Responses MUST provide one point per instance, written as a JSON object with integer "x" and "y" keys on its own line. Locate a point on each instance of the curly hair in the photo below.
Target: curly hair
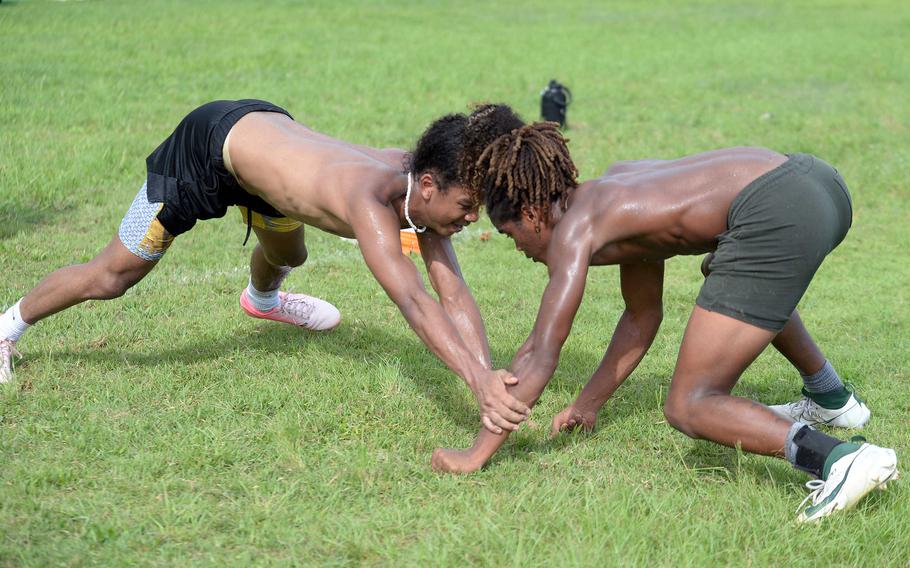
{"x": 528, "y": 167}
{"x": 450, "y": 146}
{"x": 439, "y": 150}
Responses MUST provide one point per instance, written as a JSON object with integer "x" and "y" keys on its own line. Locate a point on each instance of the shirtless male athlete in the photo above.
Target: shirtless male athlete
{"x": 768, "y": 218}
{"x": 282, "y": 176}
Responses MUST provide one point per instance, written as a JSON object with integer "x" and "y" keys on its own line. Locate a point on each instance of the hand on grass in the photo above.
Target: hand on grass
{"x": 572, "y": 418}
{"x": 499, "y": 410}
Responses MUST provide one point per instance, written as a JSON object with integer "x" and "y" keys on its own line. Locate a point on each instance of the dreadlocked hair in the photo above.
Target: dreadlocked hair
{"x": 528, "y": 167}
{"x": 484, "y": 125}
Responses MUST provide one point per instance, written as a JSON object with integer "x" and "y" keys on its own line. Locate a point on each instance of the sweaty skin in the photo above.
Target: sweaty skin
{"x": 349, "y": 190}
{"x": 356, "y": 191}
{"x": 637, "y": 215}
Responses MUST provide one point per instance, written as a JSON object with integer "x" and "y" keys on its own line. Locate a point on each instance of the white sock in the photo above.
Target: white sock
{"x": 12, "y": 325}
{"x": 262, "y": 301}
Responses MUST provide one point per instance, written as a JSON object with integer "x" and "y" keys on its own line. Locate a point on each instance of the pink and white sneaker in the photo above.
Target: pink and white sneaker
{"x": 297, "y": 309}
{"x": 7, "y": 350}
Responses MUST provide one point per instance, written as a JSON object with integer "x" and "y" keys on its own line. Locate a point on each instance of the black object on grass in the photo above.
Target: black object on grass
{"x": 554, "y": 100}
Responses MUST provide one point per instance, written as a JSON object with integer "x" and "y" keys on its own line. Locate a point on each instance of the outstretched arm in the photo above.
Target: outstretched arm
{"x": 377, "y": 232}
{"x": 454, "y": 294}
{"x": 536, "y": 360}
{"x": 642, "y": 290}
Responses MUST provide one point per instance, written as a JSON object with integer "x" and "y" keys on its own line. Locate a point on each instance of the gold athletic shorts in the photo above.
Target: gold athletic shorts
{"x": 274, "y": 224}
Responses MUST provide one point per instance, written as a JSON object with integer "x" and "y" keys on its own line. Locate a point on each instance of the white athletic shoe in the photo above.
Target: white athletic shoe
{"x": 7, "y": 350}
{"x": 853, "y": 414}
{"x": 297, "y": 309}
{"x": 851, "y": 478}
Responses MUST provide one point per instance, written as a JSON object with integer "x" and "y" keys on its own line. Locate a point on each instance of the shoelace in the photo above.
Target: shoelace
{"x": 815, "y": 486}
{"x": 299, "y": 307}
{"x": 7, "y": 350}
{"x": 799, "y": 408}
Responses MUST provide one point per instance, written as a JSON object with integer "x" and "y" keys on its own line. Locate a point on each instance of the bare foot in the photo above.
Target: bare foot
{"x": 446, "y": 460}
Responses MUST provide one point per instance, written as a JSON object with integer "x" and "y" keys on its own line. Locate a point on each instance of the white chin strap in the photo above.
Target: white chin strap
{"x": 407, "y": 215}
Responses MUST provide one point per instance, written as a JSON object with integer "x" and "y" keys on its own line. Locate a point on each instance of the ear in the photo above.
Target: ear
{"x": 529, "y": 215}
{"x": 426, "y": 183}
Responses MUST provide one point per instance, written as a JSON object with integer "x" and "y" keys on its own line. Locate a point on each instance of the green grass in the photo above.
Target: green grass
{"x": 167, "y": 429}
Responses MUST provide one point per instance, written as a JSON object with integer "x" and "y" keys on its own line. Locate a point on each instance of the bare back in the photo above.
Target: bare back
{"x": 654, "y": 209}
{"x": 309, "y": 176}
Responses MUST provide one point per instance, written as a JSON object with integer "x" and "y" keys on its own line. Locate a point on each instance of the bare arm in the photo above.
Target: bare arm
{"x": 377, "y": 232}
{"x": 642, "y": 291}
{"x": 536, "y": 360}
{"x": 454, "y": 295}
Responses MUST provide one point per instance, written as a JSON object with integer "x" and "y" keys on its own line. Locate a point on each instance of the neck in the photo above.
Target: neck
{"x": 566, "y": 201}
{"x": 408, "y": 197}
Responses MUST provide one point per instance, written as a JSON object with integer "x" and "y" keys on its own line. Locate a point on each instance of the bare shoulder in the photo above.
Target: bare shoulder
{"x": 626, "y": 166}
{"x": 368, "y": 180}
{"x": 613, "y": 208}
{"x": 590, "y": 205}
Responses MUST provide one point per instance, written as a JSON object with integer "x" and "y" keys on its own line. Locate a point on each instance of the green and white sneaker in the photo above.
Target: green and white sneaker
{"x": 853, "y": 414}
{"x": 856, "y": 470}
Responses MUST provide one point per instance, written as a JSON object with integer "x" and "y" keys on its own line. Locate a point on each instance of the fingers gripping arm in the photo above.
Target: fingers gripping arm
{"x": 536, "y": 360}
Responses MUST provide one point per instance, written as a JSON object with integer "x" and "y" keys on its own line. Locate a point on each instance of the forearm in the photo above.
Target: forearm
{"x": 438, "y": 332}
{"x": 534, "y": 374}
{"x": 465, "y": 316}
{"x": 630, "y": 342}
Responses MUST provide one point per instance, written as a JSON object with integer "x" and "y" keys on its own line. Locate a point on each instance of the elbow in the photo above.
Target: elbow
{"x": 452, "y": 303}
{"x": 648, "y": 320}
{"x": 408, "y": 305}
{"x": 544, "y": 361}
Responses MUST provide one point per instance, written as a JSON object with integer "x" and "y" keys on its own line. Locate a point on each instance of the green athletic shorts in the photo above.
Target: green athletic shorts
{"x": 779, "y": 229}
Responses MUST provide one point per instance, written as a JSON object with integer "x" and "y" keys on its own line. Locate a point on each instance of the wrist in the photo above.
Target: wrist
{"x": 587, "y": 404}
{"x": 474, "y": 379}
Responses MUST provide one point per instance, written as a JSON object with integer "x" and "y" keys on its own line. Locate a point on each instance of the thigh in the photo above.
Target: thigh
{"x": 715, "y": 350}
{"x": 140, "y": 232}
{"x": 117, "y": 259}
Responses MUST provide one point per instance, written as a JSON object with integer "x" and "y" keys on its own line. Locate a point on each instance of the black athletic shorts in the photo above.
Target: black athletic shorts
{"x": 186, "y": 172}
{"x": 779, "y": 229}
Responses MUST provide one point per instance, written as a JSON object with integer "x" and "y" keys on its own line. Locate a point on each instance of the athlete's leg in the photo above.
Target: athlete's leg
{"x": 273, "y": 258}
{"x": 106, "y": 276}
{"x": 826, "y": 400}
{"x": 114, "y": 271}
{"x": 795, "y": 343}
{"x": 140, "y": 243}
{"x": 275, "y": 255}
{"x": 715, "y": 350}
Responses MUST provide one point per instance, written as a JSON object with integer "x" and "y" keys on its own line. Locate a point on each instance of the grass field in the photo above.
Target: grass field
{"x": 165, "y": 428}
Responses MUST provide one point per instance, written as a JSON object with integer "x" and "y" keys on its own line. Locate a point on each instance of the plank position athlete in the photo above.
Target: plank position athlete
{"x": 282, "y": 176}
{"x": 768, "y": 219}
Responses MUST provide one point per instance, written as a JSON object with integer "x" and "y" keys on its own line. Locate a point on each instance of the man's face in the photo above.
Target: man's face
{"x": 450, "y": 211}
{"x": 527, "y": 240}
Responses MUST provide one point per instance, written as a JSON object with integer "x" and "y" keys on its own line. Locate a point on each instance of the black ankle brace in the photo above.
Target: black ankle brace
{"x": 812, "y": 449}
